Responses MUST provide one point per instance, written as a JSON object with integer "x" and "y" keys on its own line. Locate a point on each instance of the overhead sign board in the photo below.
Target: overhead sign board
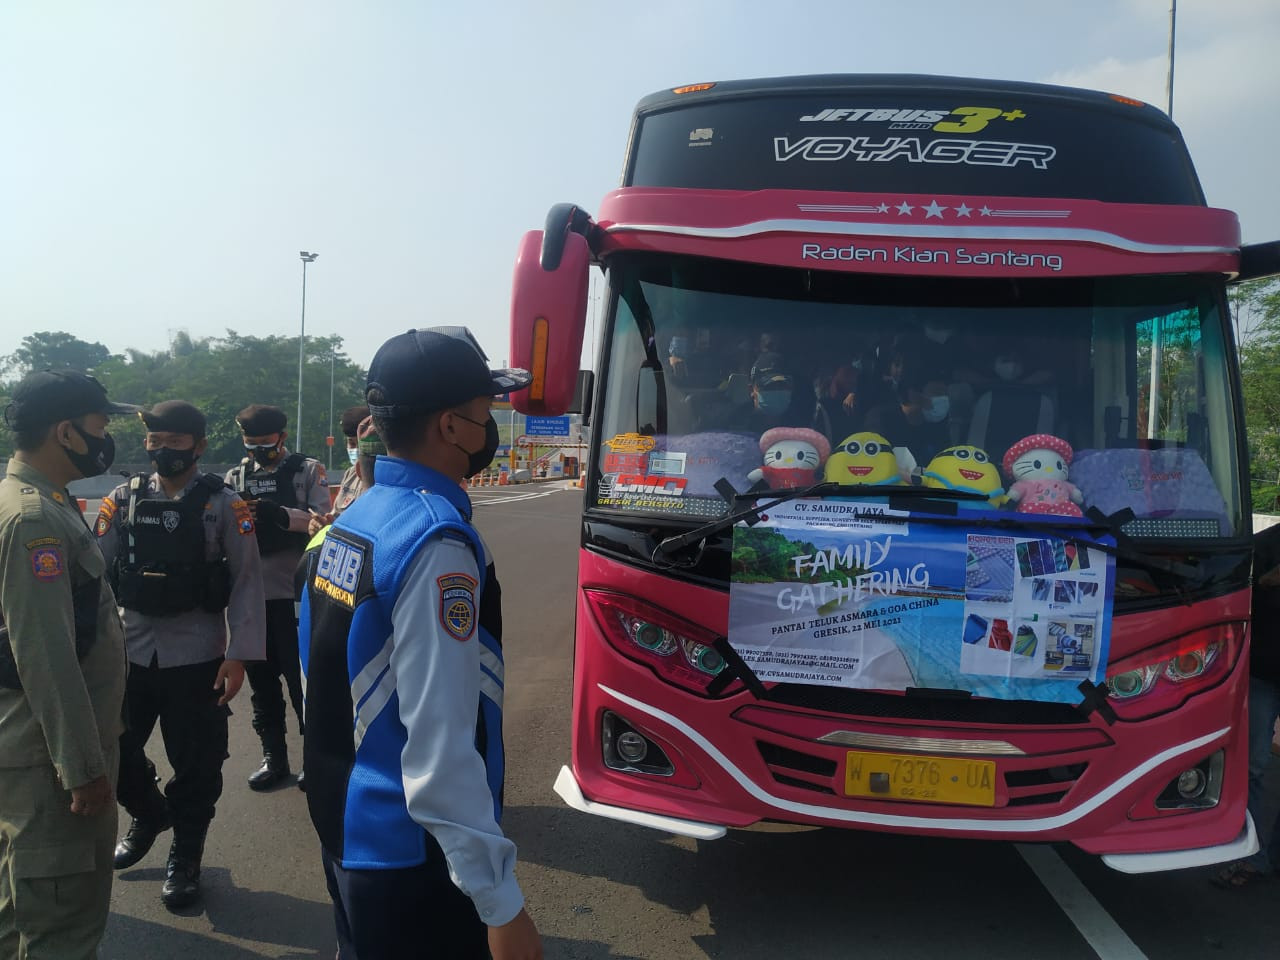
{"x": 547, "y": 426}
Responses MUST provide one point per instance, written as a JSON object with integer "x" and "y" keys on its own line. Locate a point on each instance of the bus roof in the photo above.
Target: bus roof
{"x": 920, "y": 83}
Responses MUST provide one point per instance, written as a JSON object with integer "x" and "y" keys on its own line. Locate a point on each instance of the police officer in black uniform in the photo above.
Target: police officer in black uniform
{"x": 284, "y": 490}
{"x": 183, "y": 559}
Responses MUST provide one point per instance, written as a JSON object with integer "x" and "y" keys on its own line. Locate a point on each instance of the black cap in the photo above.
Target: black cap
{"x": 51, "y": 396}
{"x": 260, "y": 419}
{"x": 175, "y": 416}
{"x": 426, "y": 370}
{"x": 351, "y": 419}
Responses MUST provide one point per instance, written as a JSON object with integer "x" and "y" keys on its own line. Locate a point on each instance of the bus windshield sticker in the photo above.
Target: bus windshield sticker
{"x": 823, "y": 594}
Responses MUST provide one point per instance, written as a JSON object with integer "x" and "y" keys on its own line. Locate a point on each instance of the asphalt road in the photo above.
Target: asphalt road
{"x": 600, "y": 889}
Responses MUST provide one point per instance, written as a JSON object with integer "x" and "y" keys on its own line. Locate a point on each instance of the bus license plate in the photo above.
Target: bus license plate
{"x": 892, "y": 776}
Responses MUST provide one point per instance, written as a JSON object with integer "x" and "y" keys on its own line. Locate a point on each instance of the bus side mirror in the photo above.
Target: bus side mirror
{"x": 582, "y": 396}
{"x": 548, "y": 320}
{"x": 1258, "y": 260}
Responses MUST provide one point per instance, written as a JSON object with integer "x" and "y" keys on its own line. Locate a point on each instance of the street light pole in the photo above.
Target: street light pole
{"x": 302, "y": 346}
{"x": 330, "y": 465}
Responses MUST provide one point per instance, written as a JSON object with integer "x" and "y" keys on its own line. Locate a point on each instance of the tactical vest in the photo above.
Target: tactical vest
{"x": 276, "y": 487}
{"x": 162, "y": 570}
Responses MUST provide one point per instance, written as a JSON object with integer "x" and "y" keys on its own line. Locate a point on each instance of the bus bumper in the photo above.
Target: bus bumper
{"x": 1246, "y": 844}
{"x": 566, "y": 786}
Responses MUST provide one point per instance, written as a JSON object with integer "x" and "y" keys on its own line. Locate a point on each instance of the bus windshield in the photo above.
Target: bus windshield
{"x": 774, "y": 377}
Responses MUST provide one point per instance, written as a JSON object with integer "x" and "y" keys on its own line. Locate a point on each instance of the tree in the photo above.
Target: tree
{"x": 55, "y": 350}
{"x": 1256, "y": 310}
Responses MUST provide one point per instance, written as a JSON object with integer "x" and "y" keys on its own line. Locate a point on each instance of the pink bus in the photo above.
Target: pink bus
{"x": 915, "y": 498}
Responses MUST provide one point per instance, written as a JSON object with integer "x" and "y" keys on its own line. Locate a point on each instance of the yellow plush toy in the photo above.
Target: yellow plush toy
{"x": 967, "y": 469}
{"x": 862, "y": 458}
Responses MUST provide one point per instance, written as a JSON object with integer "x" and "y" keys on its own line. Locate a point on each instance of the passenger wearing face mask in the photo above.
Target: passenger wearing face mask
{"x": 62, "y": 675}
{"x": 184, "y": 562}
{"x": 352, "y": 482}
{"x": 401, "y": 629}
{"x": 284, "y": 490}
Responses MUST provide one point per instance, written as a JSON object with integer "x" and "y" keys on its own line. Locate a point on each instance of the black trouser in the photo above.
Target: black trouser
{"x": 264, "y": 675}
{"x": 411, "y": 912}
{"x": 194, "y": 730}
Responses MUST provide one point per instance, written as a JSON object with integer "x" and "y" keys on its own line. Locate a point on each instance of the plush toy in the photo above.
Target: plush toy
{"x": 863, "y": 458}
{"x": 968, "y": 470}
{"x": 1037, "y": 465}
{"x": 792, "y": 457}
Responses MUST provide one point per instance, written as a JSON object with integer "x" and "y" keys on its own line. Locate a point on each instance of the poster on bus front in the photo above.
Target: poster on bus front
{"x": 850, "y": 594}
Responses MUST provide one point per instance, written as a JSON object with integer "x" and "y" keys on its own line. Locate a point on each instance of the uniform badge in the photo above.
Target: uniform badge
{"x": 105, "y": 513}
{"x": 244, "y": 519}
{"x": 170, "y": 519}
{"x": 46, "y": 563}
{"x": 457, "y": 605}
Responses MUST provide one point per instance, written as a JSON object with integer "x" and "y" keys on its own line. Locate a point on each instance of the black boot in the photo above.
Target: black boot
{"x": 182, "y": 873}
{"x": 135, "y": 844}
{"x": 275, "y": 766}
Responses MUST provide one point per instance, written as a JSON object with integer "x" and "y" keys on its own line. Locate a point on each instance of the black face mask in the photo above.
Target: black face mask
{"x": 170, "y": 463}
{"x": 479, "y": 459}
{"x": 101, "y": 454}
{"x": 265, "y": 456}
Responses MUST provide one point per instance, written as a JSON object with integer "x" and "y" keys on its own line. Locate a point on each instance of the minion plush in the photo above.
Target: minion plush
{"x": 862, "y": 458}
{"x": 968, "y": 470}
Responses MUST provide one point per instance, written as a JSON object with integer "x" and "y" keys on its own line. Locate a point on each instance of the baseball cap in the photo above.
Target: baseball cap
{"x": 421, "y": 371}
{"x": 174, "y": 416}
{"x": 51, "y": 396}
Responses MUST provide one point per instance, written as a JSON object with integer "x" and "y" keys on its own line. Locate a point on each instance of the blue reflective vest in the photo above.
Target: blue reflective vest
{"x": 353, "y": 733}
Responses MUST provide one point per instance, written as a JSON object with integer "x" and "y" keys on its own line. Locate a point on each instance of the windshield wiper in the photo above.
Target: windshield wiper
{"x": 821, "y": 489}
{"x": 1011, "y": 522}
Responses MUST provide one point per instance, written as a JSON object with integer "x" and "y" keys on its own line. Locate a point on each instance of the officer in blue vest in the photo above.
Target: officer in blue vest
{"x": 401, "y": 629}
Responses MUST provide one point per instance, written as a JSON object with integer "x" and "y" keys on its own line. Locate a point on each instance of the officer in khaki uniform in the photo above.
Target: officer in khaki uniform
{"x": 62, "y": 676}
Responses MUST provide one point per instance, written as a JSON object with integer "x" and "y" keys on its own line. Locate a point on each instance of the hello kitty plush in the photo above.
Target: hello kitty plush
{"x": 1037, "y": 466}
{"x": 793, "y": 456}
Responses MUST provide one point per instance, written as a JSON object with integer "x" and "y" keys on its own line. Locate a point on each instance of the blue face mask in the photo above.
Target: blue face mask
{"x": 679, "y": 347}
{"x": 773, "y": 401}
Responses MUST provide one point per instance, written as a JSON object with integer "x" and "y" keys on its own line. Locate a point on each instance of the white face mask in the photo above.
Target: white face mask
{"x": 936, "y": 409}
{"x": 353, "y": 455}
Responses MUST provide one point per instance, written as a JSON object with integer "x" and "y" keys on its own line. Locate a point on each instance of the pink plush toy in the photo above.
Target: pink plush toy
{"x": 1037, "y": 465}
{"x": 792, "y": 457}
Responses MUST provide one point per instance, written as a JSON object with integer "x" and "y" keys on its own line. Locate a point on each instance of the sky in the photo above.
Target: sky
{"x": 164, "y": 163}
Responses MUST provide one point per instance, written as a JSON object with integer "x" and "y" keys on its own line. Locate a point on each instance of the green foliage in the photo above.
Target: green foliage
{"x": 763, "y": 555}
{"x": 1256, "y": 306}
{"x": 54, "y": 350}
{"x": 221, "y": 376}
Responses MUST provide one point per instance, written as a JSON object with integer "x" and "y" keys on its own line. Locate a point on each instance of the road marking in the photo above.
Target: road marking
{"x": 1106, "y": 938}
{"x": 481, "y": 501}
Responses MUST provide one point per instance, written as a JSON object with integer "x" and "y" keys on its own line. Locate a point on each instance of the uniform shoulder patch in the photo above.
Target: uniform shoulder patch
{"x": 105, "y": 513}
{"x": 46, "y": 563}
{"x": 338, "y": 570}
{"x": 457, "y": 604}
{"x": 244, "y": 518}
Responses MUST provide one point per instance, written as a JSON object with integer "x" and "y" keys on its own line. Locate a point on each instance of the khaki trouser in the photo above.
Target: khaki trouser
{"x": 55, "y": 868}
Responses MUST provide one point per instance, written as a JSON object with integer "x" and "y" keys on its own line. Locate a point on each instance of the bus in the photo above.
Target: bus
{"x": 915, "y": 498}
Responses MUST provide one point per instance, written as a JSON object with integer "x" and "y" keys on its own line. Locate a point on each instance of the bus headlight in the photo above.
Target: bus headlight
{"x": 680, "y": 652}
{"x": 1173, "y": 666}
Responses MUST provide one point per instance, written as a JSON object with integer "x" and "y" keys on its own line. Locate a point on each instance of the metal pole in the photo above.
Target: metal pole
{"x": 330, "y": 465}
{"x": 1173, "y": 22}
{"x": 302, "y": 340}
